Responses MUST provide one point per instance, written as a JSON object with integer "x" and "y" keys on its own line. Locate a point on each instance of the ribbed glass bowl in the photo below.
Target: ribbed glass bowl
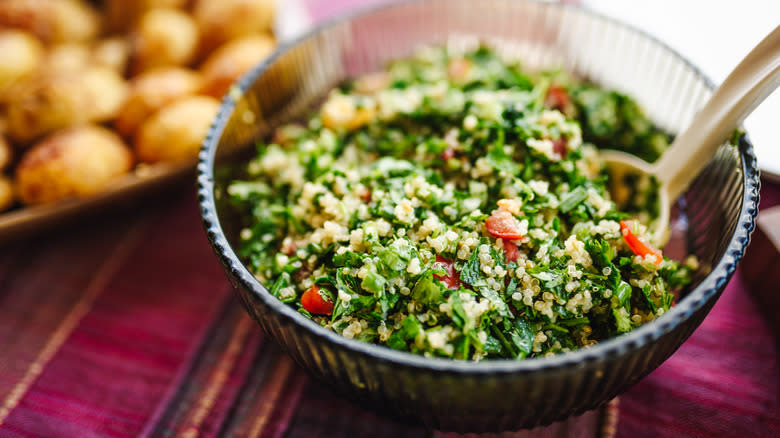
{"x": 716, "y": 216}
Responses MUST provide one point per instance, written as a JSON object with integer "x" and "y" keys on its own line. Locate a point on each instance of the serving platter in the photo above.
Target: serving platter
{"x": 146, "y": 180}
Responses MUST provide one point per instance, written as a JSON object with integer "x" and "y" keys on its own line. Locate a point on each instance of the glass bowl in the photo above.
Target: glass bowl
{"x": 717, "y": 214}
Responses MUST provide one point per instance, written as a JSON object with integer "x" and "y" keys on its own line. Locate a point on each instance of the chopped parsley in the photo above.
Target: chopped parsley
{"x": 454, "y": 205}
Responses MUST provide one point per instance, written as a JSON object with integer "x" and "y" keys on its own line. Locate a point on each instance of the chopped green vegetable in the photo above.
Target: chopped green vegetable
{"x": 454, "y": 206}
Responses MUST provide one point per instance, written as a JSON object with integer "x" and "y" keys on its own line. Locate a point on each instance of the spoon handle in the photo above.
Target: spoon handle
{"x": 756, "y": 76}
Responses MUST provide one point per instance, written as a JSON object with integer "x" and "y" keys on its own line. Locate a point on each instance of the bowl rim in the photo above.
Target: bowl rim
{"x": 709, "y": 287}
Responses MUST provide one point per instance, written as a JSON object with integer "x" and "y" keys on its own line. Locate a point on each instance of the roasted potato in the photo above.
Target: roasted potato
{"x": 232, "y": 60}
{"x": 6, "y": 193}
{"x": 57, "y": 100}
{"x": 177, "y": 130}
{"x": 149, "y": 69}
{"x": 6, "y": 153}
{"x": 107, "y": 90}
{"x": 67, "y": 57}
{"x": 150, "y": 91}
{"x": 53, "y": 21}
{"x": 224, "y": 20}
{"x": 21, "y": 53}
{"x": 163, "y": 37}
{"x": 121, "y": 15}
{"x": 113, "y": 53}
{"x": 44, "y": 103}
{"x": 74, "y": 162}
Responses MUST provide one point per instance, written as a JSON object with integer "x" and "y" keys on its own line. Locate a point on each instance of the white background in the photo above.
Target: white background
{"x": 714, "y": 35}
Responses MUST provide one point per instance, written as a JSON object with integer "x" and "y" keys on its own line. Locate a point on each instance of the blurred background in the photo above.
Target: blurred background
{"x": 123, "y": 324}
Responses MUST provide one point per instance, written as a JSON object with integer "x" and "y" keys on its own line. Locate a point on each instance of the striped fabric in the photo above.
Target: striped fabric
{"x": 125, "y": 326}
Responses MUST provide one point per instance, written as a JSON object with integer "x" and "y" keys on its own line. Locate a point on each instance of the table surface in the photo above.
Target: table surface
{"x": 125, "y": 325}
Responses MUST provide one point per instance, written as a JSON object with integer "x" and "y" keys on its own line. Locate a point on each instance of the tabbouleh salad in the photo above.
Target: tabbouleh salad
{"x": 454, "y": 206}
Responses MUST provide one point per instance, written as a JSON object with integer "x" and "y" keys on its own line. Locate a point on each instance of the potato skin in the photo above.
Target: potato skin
{"x": 107, "y": 90}
{"x": 21, "y": 54}
{"x": 148, "y": 70}
{"x": 53, "y": 21}
{"x": 6, "y": 153}
{"x": 7, "y": 197}
{"x": 121, "y": 15}
{"x": 152, "y": 90}
{"x": 56, "y": 100}
{"x": 177, "y": 130}
{"x": 223, "y": 20}
{"x": 67, "y": 57}
{"x": 75, "y": 162}
{"x": 163, "y": 37}
{"x": 113, "y": 53}
{"x": 232, "y": 60}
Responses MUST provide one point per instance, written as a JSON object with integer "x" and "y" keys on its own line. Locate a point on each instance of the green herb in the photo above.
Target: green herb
{"x": 387, "y": 200}
{"x": 572, "y": 199}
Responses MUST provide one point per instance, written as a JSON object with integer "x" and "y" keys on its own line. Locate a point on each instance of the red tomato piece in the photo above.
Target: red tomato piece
{"x": 315, "y": 303}
{"x": 289, "y": 249}
{"x": 458, "y": 69}
{"x": 559, "y": 147}
{"x": 637, "y": 245}
{"x": 452, "y": 278}
{"x": 366, "y": 196}
{"x": 557, "y": 97}
{"x": 502, "y": 224}
{"x": 511, "y": 251}
{"x": 448, "y": 153}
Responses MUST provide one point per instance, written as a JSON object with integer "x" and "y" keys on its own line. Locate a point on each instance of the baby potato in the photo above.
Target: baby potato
{"x": 44, "y": 103}
{"x": 6, "y": 153}
{"x": 121, "y": 15}
{"x": 107, "y": 90}
{"x": 163, "y": 37}
{"x": 53, "y": 21}
{"x": 21, "y": 53}
{"x": 113, "y": 53}
{"x": 75, "y": 162}
{"x": 57, "y": 100}
{"x": 177, "y": 130}
{"x": 224, "y": 20}
{"x": 67, "y": 57}
{"x": 150, "y": 91}
{"x": 6, "y": 193}
{"x": 232, "y": 60}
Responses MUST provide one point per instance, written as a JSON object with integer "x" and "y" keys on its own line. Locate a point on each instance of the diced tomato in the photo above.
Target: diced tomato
{"x": 448, "y": 153}
{"x": 458, "y": 69}
{"x": 290, "y": 249}
{"x": 559, "y": 147}
{"x": 366, "y": 195}
{"x": 557, "y": 97}
{"x": 511, "y": 251}
{"x": 315, "y": 303}
{"x": 504, "y": 225}
{"x": 637, "y": 245}
{"x": 452, "y": 278}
